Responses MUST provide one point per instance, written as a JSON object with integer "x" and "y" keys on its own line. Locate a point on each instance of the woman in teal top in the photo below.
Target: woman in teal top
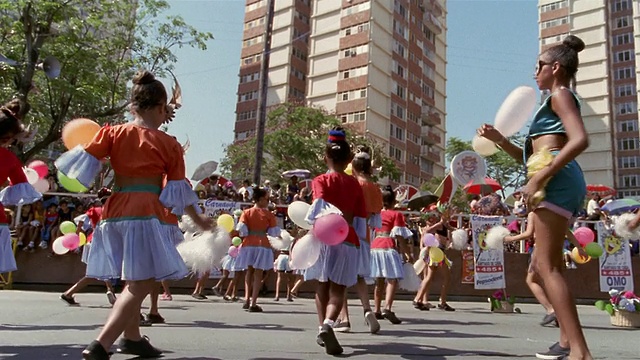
{"x": 558, "y": 127}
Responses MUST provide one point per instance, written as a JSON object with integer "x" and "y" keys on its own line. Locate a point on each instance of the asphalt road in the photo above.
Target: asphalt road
{"x": 37, "y": 325}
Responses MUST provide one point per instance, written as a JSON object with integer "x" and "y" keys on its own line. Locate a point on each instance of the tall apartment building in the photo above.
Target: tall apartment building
{"x": 606, "y": 82}
{"x": 380, "y": 66}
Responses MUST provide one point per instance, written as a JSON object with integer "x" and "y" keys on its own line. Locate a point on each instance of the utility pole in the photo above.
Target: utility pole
{"x": 261, "y": 114}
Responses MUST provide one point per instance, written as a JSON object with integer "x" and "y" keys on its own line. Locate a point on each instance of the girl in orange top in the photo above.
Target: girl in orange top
{"x": 133, "y": 241}
{"x": 255, "y": 255}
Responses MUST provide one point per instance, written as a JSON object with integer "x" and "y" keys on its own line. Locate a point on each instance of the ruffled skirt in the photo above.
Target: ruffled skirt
{"x": 386, "y": 263}
{"x": 364, "y": 259}
{"x": 282, "y": 263}
{"x": 7, "y": 260}
{"x": 135, "y": 250}
{"x": 338, "y": 264}
{"x": 257, "y": 257}
{"x": 227, "y": 263}
{"x": 85, "y": 252}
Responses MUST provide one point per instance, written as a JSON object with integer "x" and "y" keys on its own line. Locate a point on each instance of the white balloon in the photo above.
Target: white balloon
{"x": 58, "y": 248}
{"x": 41, "y": 186}
{"x": 483, "y": 146}
{"x": 32, "y": 175}
{"x": 297, "y": 211}
{"x": 515, "y": 110}
{"x": 305, "y": 252}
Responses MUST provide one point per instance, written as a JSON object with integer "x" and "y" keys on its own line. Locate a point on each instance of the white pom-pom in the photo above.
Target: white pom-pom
{"x": 205, "y": 251}
{"x": 287, "y": 239}
{"x": 276, "y": 243}
{"x": 187, "y": 224}
{"x": 495, "y": 237}
{"x": 281, "y": 243}
{"x": 459, "y": 239}
{"x": 621, "y": 227}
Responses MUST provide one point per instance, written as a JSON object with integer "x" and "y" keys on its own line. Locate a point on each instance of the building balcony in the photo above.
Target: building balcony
{"x": 432, "y": 6}
{"x": 432, "y": 23}
{"x": 429, "y": 154}
{"x": 430, "y": 116}
{"x": 429, "y": 136}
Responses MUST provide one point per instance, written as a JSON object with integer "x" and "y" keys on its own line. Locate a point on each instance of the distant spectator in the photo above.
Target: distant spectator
{"x": 292, "y": 189}
{"x": 246, "y": 191}
{"x": 593, "y": 205}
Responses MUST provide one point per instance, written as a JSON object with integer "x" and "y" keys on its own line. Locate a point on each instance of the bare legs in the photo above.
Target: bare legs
{"x": 423, "y": 292}
{"x": 363, "y": 295}
{"x": 392, "y": 286}
{"x": 200, "y": 283}
{"x": 535, "y": 285}
{"x": 329, "y": 300}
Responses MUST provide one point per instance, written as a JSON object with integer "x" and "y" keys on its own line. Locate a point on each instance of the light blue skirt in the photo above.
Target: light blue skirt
{"x": 227, "y": 263}
{"x": 364, "y": 259}
{"x": 7, "y": 260}
{"x": 282, "y": 263}
{"x": 176, "y": 235}
{"x": 135, "y": 250}
{"x": 257, "y": 257}
{"x": 338, "y": 264}
{"x": 386, "y": 263}
{"x": 85, "y": 252}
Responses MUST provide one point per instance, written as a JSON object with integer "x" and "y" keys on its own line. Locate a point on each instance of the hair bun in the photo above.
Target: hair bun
{"x": 574, "y": 43}
{"x": 143, "y": 77}
{"x": 364, "y": 149}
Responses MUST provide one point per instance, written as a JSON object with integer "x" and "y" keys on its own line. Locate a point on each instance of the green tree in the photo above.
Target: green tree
{"x": 99, "y": 44}
{"x": 295, "y": 137}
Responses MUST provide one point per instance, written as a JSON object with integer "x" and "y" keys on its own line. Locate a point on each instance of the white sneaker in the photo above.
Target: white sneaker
{"x": 340, "y": 326}
{"x": 43, "y": 245}
{"x": 372, "y": 322}
{"x": 111, "y": 297}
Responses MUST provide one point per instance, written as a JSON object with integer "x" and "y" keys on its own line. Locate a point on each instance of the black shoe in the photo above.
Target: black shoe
{"x": 69, "y": 300}
{"x": 328, "y": 337}
{"x": 155, "y": 318}
{"x": 391, "y": 316}
{"x": 420, "y": 306}
{"x": 548, "y": 319}
{"x": 255, "y": 308}
{"x": 140, "y": 348}
{"x": 379, "y": 315}
{"x": 144, "y": 322}
{"x": 319, "y": 341}
{"x": 554, "y": 352}
{"x": 95, "y": 351}
{"x": 245, "y": 306}
{"x": 445, "y": 307}
{"x": 199, "y": 296}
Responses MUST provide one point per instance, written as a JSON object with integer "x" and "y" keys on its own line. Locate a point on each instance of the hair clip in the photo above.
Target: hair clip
{"x": 362, "y": 155}
{"x": 335, "y": 147}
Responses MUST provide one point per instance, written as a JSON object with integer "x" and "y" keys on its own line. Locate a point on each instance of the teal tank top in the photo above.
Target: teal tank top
{"x": 546, "y": 121}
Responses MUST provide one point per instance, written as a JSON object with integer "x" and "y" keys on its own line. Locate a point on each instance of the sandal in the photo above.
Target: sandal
{"x": 445, "y": 307}
{"x": 142, "y": 348}
{"x": 95, "y": 351}
{"x": 420, "y": 306}
{"x": 69, "y": 300}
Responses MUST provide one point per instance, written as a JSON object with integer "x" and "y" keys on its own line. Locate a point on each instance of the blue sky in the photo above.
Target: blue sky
{"x": 492, "y": 49}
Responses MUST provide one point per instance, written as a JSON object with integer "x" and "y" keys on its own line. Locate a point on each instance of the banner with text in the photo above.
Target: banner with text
{"x": 489, "y": 263}
{"x": 615, "y": 262}
{"x": 468, "y": 273}
{"x": 217, "y": 207}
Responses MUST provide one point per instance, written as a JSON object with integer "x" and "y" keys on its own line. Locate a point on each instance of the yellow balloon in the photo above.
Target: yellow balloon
{"x": 349, "y": 170}
{"x": 435, "y": 254}
{"x": 575, "y": 255}
{"x": 226, "y": 222}
{"x": 83, "y": 239}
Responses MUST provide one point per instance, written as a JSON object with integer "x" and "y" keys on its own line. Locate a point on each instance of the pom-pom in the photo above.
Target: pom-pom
{"x": 459, "y": 239}
{"x": 410, "y": 282}
{"x": 622, "y": 227}
{"x": 205, "y": 251}
{"x": 539, "y": 161}
{"x": 495, "y": 237}
{"x": 187, "y": 224}
{"x": 281, "y": 243}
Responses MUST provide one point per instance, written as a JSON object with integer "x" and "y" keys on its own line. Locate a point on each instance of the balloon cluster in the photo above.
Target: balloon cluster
{"x": 77, "y": 132}
{"x": 435, "y": 254}
{"x": 36, "y": 173}
{"x": 585, "y": 237}
{"x": 69, "y": 239}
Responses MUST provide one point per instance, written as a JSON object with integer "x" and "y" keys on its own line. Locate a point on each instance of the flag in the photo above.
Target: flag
{"x": 446, "y": 189}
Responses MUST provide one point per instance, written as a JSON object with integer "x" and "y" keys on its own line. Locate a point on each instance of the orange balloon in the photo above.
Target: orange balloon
{"x": 79, "y": 132}
{"x": 579, "y": 259}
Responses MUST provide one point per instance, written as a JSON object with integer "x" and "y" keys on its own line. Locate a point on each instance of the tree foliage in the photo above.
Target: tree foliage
{"x": 99, "y": 44}
{"x": 295, "y": 137}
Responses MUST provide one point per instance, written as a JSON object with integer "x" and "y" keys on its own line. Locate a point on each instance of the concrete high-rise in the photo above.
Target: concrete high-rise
{"x": 380, "y": 66}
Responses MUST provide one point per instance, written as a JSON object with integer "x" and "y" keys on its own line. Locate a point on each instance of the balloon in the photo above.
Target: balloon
{"x": 515, "y": 110}
{"x": 483, "y": 146}
{"x": 67, "y": 227}
{"x": 305, "y": 252}
{"x": 70, "y": 241}
{"x": 331, "y": 229}
{"x": 83, "y": 239}
{"x": 233, "y": 251}
{"x": 40, "y": 167}
{"x": 226, "y": 222}
{"x": 594, "y": 250}
{"x": 436, "y": 255}
{"x": 349, "y": 170}
{"x": 41, "y": 186}
{"x": 79, "y": 132}
{"x": 58, "y": 248}
{"x": 237, "y": 212}
{"x": 32, "y": 175}
{"x": 297, "y": 211}
{"x": 73, "y": 185}
{"x": 584, "y": 235}
{"x": 579, "y": 259}
{"x": 600, "y": 304}
{"x": 430, "y": 240}
{"x": 236, "y": 241}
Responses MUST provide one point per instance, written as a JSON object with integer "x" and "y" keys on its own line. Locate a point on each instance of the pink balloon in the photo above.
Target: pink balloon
{"x": 584, "y": 235}
{"x": 331, "y": 229}
{"x": 430, "y": 240}
{"x": 233, "y": 251}
{"x": 40, "y": 167}
{"x": 71, "y": 241}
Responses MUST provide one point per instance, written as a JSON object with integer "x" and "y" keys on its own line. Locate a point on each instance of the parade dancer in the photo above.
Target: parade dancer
{"x": 337, "y": 266}
{"x": 386, "y": 261}
{"x": 361, "y": 167}
{"x": 557, "y": 127}
{"x": 19, "y": 192}
{"x": 132, "y": 242}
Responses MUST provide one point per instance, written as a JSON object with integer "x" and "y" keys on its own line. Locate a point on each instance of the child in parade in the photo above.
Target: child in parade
{"x": 557, "y": 127}
{"x": 132, "y": 242}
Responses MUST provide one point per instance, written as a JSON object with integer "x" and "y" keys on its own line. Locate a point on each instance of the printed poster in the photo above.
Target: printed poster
{"x": 214, "y": 207}
{"x": 468, "y": 267}
{"x": 489, "y": 263}
{"x": 615, "y": 263}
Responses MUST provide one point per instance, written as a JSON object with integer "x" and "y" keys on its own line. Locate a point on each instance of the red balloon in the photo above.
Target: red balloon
{"x": 331, "y": 229}
{"x": 584, "y": 235}
{"x": 40, "y": 167}
{"x": 71, "y": 241}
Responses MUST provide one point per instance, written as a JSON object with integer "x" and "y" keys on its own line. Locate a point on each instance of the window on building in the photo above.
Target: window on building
{"x": 622, "y": 39}
{"x": 627, "y": 108}
{"x": 620, "y": 5}
{"x": 628, "y": 143}
{"x": 628, "y": 181}
{"x": 399, "y": 90}
{"x": 623, "y": 21}
{"x": 625, "y": 73}
{"x": 553, "y": 39}
{"x": 255, "y": 5}
{"x": 626, "y": 90}
{"x": 553, "y": 6}
{"x": 354, "y": 72}
{"x": 399, "y": 49}
{"x": 628, "y": 126}
{"x": 628, "y": 162}
{"x": 353, "y": 117}
{"x": 399, "y": 9}
{"x": 398, "y": 69}
{"x": 625, "y": 55}
{"x": 395, "y": 153}
{"x": 554, "y": 22}
{"x": 357, "y": 8}
{"x": 397, "y": 110}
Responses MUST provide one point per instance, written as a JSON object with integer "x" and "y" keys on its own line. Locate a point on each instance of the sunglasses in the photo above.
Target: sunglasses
{"x": 540, "y": 65}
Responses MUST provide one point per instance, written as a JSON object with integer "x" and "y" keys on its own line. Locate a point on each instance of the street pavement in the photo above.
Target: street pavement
{"x": 37, "y": 325}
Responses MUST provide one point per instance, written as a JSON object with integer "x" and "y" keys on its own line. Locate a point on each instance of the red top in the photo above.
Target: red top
{"x": 258, "y": 221}
{"x": 94, "y": 214}
{"x": 10, "y": 168}
{"x": 390, "y": 219}
{"x": 344, "y": 192}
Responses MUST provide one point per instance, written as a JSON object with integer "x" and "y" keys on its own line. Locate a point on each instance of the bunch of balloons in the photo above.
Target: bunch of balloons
{"x": 36, "y": 173}
{"x": 586, "y": 237}
{"x": 435, "y": 253}
{"x": 76, "y": 132}
{"x": 69, "y": 239}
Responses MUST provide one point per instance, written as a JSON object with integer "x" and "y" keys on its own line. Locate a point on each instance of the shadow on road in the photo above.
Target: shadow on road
{"x": 219, "y": 325}
{"x": 416, "y": 351}
{"x": 50, "y": 327}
